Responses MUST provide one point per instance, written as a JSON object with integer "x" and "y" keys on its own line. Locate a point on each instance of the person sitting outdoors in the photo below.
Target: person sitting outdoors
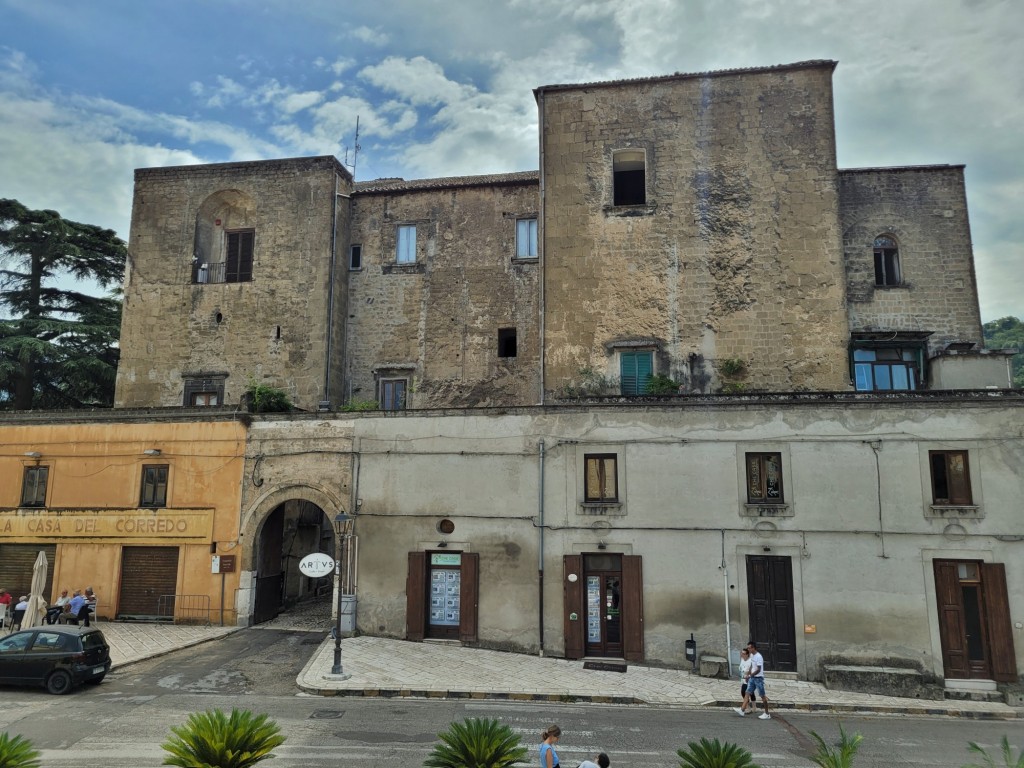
{"x": 90, "y": 599}
{"x": 19, "y": 612}
{"x": 77, "y": 610}
{"x": 5, "y": 597}
{"x": 55, "y": 610}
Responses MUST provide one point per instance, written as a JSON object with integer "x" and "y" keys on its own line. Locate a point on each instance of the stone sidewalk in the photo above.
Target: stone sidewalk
{"x": 380, "y": 667}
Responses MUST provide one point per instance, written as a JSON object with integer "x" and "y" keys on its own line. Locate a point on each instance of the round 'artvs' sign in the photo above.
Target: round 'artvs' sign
{"x": 316, "y": 565}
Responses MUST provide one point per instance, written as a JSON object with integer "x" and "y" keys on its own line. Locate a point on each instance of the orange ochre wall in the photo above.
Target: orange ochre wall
{"x": 92, "y": 501}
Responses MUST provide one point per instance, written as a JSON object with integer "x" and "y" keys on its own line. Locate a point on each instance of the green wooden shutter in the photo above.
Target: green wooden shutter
{"x": 635, "y": 369}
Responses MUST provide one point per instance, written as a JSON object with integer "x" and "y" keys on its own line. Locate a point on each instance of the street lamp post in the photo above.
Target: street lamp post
{"x": 341, "y": 525}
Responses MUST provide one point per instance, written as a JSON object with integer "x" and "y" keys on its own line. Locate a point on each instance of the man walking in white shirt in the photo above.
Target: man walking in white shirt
{"x": 755, "y": 684}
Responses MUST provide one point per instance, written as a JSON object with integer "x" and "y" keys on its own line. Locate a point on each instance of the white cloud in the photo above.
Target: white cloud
{"x": 371, "y": 36}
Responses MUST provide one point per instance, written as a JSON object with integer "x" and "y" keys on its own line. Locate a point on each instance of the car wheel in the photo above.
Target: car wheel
{"x": 96, "y": 680}
{"x": 59, "y": 682}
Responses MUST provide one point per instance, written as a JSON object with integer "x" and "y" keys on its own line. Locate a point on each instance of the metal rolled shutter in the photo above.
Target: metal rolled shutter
{"x": 147, "y": 574}
{"x": 16, "y": 562}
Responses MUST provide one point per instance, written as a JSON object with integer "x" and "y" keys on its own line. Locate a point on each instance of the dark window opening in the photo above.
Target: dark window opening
{"x": 238, "y": 261}
{"x": 951, "y": 479}
{"x": 355, "y": 257}
{"x": 506, "y": 342}
{"x": 601, "y": 481}
{"x": 154, "y": 486}
{"x": 764, "y": 478}
{"x": 629, "y": 180}
{"x": 887, "y": 262}
{"x": 33, "y": 489}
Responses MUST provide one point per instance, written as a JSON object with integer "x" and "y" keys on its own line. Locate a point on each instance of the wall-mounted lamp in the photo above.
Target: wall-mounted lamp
{"x": 33, "y": 454}
{"x": 602, "y": 545}
{"x": 442, "y": 544}
{"x": 152, "y": 451}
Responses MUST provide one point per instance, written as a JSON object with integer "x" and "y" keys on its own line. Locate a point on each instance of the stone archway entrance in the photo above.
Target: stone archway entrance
{"x": 292, "y": 530}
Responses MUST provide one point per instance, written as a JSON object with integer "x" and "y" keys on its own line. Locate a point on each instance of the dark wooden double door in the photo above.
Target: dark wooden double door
{"x": 974, "y": 620}
{"x": 770, "y": 606}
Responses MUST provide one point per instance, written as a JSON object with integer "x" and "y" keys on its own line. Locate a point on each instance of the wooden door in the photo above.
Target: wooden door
{"x": 770, "y": 607}
{"x": 572, "y": 605}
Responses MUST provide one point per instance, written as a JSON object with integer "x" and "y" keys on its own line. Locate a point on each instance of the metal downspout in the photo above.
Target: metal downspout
{"x": 540, "y": 548}
{"x": 330, "y": 292}
{"x": 540, "y": 242}
{"x": 728, "y": 621}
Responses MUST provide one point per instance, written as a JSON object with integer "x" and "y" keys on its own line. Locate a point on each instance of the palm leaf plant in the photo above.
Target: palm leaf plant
{"x": 989, "y": 762}
{"x": 17, "y": 752}
{"x": 715, "y": 754}
{"x": 214, "y": 740}
{"x": 839, "y": 756}
{"x": 476, "y": 743}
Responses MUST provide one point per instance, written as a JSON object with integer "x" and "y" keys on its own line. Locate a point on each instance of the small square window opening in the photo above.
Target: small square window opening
{"x": 629, "y": 177}
{"x": 951, "y": 478}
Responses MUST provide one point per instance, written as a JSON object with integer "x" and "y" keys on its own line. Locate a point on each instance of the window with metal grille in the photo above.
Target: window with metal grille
{"x": 154, "y": 486}
{"x": 951, "y": 478}
{"x": 887, "y": 261}
{"x": 601, "y": 482}
{"x": 764, "y": 478}
{"x": 33, "y": 487}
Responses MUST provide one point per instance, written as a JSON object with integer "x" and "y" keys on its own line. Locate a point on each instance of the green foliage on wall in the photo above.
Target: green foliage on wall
{"x": 1008, "y": 333}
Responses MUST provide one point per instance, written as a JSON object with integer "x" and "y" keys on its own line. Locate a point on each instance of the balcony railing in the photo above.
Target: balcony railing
{"x": 209, "y": 273}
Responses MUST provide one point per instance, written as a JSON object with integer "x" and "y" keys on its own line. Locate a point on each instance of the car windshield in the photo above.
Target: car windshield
{"x": 15, "y": 643}
{"x": 92, "y": 640}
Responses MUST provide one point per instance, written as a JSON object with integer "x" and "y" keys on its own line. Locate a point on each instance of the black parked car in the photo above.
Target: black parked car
{"x": 56, "y": 657}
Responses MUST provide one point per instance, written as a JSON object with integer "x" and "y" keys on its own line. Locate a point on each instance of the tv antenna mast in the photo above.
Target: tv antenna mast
{"x": 355, "y": 151}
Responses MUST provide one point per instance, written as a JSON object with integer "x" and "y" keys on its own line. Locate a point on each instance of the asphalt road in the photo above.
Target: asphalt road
{"x": 122, "y": 722}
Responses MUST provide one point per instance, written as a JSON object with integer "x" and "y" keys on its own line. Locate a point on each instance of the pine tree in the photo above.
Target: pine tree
{"x": 58, "y": 348}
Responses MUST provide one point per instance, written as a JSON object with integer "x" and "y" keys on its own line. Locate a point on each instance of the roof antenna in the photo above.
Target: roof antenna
{"x": 355, "y": 151}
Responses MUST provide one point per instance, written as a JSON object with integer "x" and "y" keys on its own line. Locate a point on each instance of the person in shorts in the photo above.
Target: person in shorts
{"x": 746, "y": 705}
{"x": 755, "y": 684}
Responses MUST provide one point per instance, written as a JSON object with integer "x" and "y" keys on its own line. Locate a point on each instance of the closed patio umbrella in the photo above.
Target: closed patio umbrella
{"x": 36, "y": 602}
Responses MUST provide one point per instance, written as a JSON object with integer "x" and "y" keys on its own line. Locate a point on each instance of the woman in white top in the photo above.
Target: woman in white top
{"x": 746, "y": 664}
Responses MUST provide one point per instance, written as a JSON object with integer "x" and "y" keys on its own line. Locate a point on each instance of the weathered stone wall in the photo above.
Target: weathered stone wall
{"x": 736, "y": 253}
{"x": 925, "y": 209}
{"x": 272, "y": 328}
{"x": 436, "y": 322}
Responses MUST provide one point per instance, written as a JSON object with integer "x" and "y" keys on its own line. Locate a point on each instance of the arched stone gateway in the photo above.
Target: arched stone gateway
{"x": 281, "y": 527}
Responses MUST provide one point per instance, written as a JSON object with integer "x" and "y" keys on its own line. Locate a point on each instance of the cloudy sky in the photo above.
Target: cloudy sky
{"x": 89, "y": 91}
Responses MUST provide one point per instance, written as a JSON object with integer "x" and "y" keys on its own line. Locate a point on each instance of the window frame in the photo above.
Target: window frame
{"x": 887, "y": 262}
{"x": 913, "y": 365}
{"x": 355, "y": 257}
{"x": 384, "y": 399}
{"x": 635, "y": 355}
{"x": 158, "y": 499}
{"x": 627, "y": 187}
{"x": 34, "y": 501}
{"x": 600, "y": 461}
{"x": 405, "y": 248}
{"x": 962, "y": 496}
{"x": 529, "y": 237}
{"x": 762, "y": 458}
{"x": 239, "y": 258}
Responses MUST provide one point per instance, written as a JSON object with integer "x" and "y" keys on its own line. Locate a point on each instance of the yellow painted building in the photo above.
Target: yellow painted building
{"x": 142, "y": 507}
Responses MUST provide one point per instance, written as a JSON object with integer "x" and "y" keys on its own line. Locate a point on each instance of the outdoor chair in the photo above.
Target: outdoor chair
{"x": 15, "y": 621}
{"x": 3, "y": 615}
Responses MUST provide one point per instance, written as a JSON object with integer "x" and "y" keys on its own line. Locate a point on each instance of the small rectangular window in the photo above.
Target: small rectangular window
{"x": 887, "y": 262}
{"x": 601, "y": 483}
{"x": 507, "y": 342}
{"x": 951, "y": 478}
{"x": 33, "y": 488}
{"x": 355, "y": 257}
{"x": 203, "y": 399}
{"x": 635, "y": 369}
{"x": 238, "y": 264}
{"x": 406, "y": 245}
{"x": 764, "y": 478}
{"x": 629, "y": 177}
{"x": 526, "y": 239}
{"x": 154, "y": 486}
{"x": 392, "y": 394}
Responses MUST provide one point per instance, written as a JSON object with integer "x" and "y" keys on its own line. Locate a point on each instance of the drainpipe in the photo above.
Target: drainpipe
{"x": 540, "y": 548}
{"x": 541, "y": 228}
{"x": 330, "y": 292}
{"x": 728, "y": 623}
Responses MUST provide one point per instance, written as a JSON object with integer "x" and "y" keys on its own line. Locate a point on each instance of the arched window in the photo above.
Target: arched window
{"x": 887, "y": 261}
